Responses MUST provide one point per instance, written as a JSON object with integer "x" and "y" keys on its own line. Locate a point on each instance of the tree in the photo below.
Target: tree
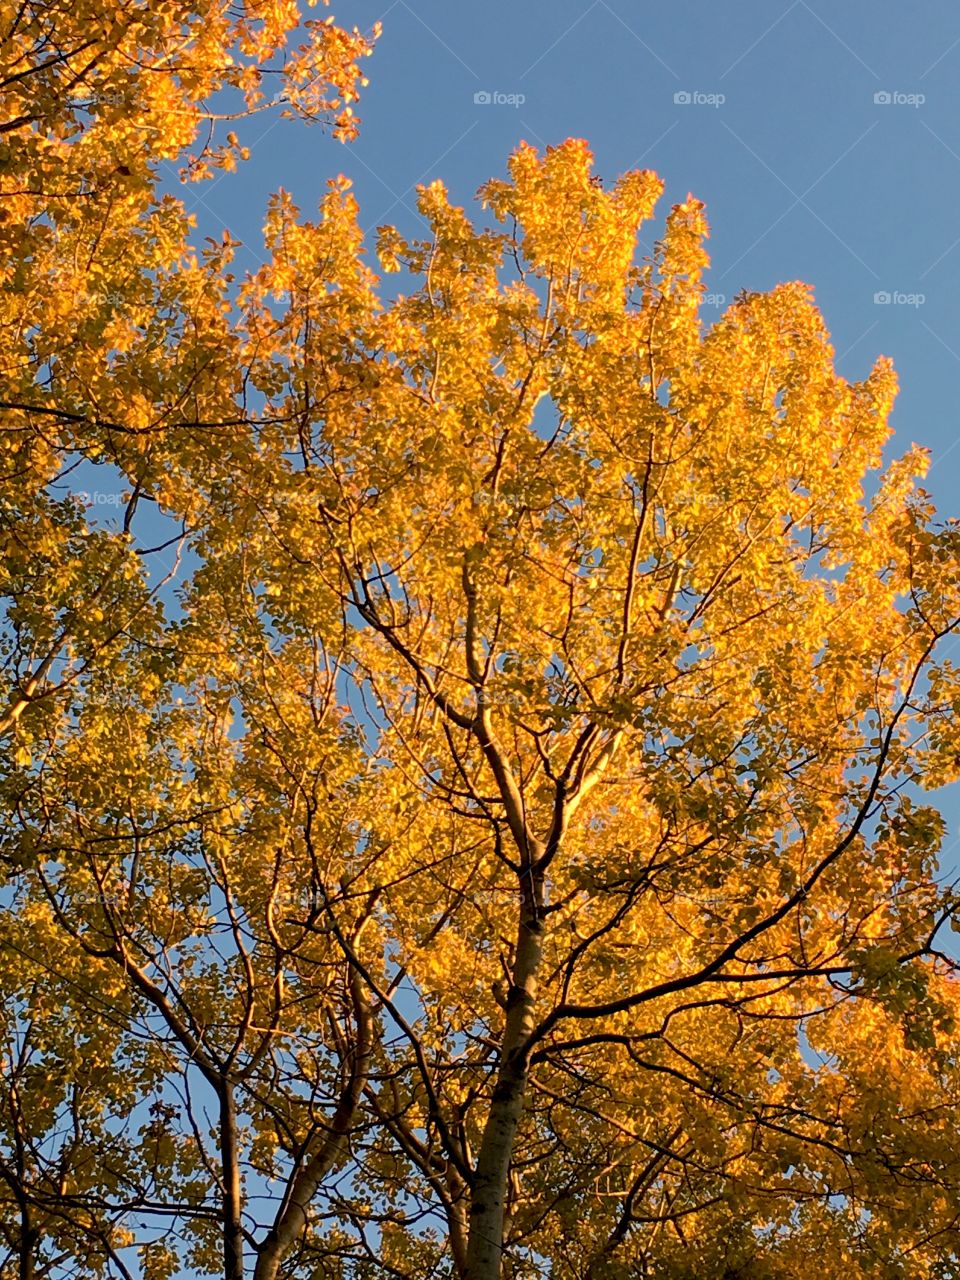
{"x": 99, "y": 275}
{"x": 100, "y": 301}
{"x": 506, "y": 855}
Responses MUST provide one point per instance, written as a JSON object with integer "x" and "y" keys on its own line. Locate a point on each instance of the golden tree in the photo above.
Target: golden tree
{"x": 653, "y": 675}
{"x": 507, "y": 857}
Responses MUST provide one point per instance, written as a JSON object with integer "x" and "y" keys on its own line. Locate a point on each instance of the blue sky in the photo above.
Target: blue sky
{"x": 824, "y": 138}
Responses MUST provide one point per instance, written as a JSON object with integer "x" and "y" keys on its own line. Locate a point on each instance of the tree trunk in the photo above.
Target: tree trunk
{"x": 230, "y": 1168}
{"x": 29, "y": 1239}
{"x": 292, "y": 1217}
{"x": 488, "y": 1204}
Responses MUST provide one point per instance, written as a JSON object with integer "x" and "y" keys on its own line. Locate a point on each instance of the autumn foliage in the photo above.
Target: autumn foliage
{"x": 463, "y": 816}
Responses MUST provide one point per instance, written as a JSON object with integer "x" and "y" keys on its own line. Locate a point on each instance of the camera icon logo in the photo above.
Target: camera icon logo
{"x": 482, "y": 98}
{"x": 881, "y": 298}
{"x": 882, "y": 98}
{"x": 682, "y": 98}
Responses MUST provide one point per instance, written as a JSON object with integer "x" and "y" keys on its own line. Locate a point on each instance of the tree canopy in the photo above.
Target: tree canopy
{"x": 487, "y": 836}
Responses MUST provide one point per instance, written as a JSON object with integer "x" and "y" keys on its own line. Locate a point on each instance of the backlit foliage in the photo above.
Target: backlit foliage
{"x": 489, "y": 838}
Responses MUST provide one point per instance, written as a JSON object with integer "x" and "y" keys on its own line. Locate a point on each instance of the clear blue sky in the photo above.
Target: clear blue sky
{"x": 806, "y": 175}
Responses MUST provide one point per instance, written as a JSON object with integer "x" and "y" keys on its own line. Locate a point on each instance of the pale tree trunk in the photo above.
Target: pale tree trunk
{"x": 587, "y": 762}
{"x": 492, "y": 1173}
{"x": 459, "y": 1225}
{"x": 230, "y": 1173}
